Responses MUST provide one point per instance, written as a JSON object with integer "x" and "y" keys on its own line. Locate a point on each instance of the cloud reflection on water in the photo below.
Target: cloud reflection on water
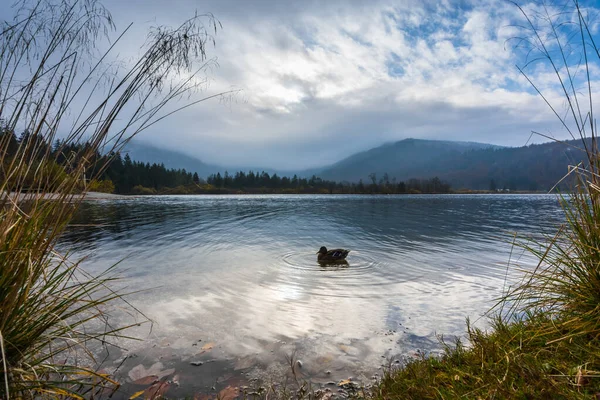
{"x": 241, "y": 271}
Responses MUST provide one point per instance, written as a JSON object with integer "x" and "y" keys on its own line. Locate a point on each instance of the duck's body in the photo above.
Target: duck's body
{"x": 324, "y": 255}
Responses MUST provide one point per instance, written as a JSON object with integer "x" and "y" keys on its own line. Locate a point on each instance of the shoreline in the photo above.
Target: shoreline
{"x": 101, "y": 196}
{"x": 128, "y": 196}
{"x": 90, "y": 196}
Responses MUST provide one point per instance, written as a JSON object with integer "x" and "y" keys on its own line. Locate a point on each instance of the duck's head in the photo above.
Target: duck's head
{"x": 322, "y": 250}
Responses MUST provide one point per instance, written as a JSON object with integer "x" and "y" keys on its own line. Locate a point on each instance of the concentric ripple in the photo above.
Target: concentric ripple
{"x": 357, "y": 263}
{"x": 242, "y": 270}
{"x": 341, "y": 279}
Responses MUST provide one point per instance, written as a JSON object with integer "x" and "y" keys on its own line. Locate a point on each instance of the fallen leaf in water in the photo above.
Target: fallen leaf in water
{"x": 205, "y": 348}
{"x": 348, "y": 349}
{"x": 147, "y": 380}
{"x": 344, "y": 382}
{"x": 244, "y": 363}
{"x": 208, "y": 346}
{"x": 229, "y": 393}
{"x": 137, "y": 394}
{"x": 175, "y": 379}
{"x": 140, "y": 372}
{"x": 137, "y": 372}
{"x": 156, "y": 390}
{"x": 326, "y": 359}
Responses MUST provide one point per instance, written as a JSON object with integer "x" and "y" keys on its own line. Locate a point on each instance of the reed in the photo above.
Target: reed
{"x": 59, "y": 79}
{"x": 545, "y": 331}
{"x": 565, "y": 285}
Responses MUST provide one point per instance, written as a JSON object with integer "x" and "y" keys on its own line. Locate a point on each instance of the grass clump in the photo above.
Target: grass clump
{"x": 510, "y": 361}
{"x": 544, "y": 340}
{"x": 56, "y": 84}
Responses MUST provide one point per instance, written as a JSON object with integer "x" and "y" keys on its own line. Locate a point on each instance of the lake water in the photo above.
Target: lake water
{"x": 233, "y": 281}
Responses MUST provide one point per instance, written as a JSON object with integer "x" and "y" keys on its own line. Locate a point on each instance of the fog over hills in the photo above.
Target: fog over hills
{"x": 405, "y": 159}
{"x": 468, "y": 165}
{"x": 463, "y": 164}
{"x": 147, "y": 153}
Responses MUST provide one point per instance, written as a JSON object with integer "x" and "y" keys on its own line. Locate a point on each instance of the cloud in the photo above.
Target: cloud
{"x": 322, "y": 80}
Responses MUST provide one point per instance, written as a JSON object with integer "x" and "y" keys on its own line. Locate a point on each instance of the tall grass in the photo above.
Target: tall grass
{"x": 544, "y": 340}
{"x": 56, "y": 81}
{"x": 565, "y": 285}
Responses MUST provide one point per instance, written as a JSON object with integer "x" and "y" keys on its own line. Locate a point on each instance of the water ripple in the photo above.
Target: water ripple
{"x": 243, "y": 269}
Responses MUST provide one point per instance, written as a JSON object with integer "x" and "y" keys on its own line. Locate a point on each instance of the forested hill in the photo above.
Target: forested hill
{"x": 113, "y": 173}
{"x": 406, "y": 166}
{"x": 145, "y": 153}
{"x": 172, "y": 159}
{"x": 463, "y": 165}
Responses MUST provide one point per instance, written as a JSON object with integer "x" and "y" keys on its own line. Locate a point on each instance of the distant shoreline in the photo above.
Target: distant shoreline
{"x": 92, "y": 196}
{"x": 324, "y": 194}
{"x": 99, "y": 196}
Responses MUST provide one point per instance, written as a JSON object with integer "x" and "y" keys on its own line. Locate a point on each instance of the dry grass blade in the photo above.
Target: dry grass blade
{"x": 53, "y": 84}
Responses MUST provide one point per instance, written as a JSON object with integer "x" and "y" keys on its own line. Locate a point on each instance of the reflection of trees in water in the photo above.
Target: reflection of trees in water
{"x": 125, "y": 219}
{"x": 406, "y": 220}
{"x": 403, "y": 221}
{"x": 94, "y": 221}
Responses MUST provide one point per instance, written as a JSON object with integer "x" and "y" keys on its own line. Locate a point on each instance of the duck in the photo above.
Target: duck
{"x": 324, "y": 255}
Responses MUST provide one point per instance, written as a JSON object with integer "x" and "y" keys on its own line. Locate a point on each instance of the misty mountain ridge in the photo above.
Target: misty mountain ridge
{"x": 462, "y": 164}
{"x": 403, "y": 159}
{"x": 147, "y": 153}
{"x": 469, "y": 165}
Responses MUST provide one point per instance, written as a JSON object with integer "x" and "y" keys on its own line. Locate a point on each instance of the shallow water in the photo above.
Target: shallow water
{"x": 240, "y": 274}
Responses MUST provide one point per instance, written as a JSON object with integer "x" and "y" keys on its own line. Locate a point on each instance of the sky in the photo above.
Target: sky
{"x": 317, "y": 81}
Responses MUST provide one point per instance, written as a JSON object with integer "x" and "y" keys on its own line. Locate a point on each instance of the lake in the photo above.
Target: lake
{"x": 233, "y": 281}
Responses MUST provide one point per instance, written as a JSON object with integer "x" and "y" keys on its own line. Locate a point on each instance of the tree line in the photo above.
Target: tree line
{"x": 119, "y": 174}
{"x": 264, "y": 182}
{"x": 110, "y": 172}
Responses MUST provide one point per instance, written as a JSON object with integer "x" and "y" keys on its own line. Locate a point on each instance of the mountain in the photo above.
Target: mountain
{"x": 462, "y": 164}
{"x": 405, "y": 159}
{"x": 146, "y": 153}
{"x": 467, "y": 165}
